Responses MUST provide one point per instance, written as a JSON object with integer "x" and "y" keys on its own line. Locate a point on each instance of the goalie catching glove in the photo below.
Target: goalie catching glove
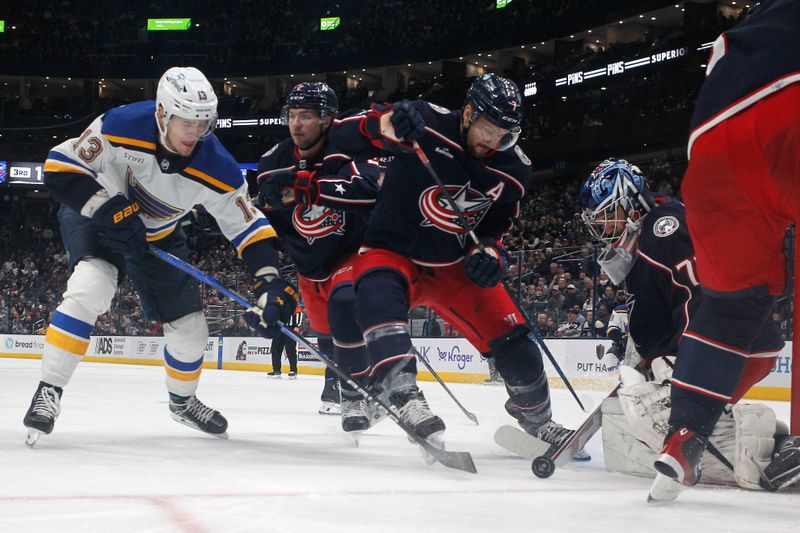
{"x": 485, "y": 268}
{"x": 276, "y": 300}
{"x": 287, "y": 187}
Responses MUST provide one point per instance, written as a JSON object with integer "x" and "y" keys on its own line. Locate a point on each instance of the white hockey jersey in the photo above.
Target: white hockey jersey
{"x": 119, "y": 151}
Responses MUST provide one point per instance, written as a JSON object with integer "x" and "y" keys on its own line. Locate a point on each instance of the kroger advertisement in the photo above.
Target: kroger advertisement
{"x": 454, "y": 359}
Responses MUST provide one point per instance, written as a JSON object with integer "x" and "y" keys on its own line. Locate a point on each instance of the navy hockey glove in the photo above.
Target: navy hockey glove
{"x": 486, "y": 268}
{"x": 276, "y": 300}
{"x": 407, "y": 122}
{"x": 287, "y": 187}
{"x": 124, "y": 230}
{"x": 203, "y": 220}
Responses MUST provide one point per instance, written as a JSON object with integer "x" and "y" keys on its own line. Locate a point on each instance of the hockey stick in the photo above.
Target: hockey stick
{"x": 466, "y": 225}
{"x": 469, "y": 415}
{"x": 457, "y": 460}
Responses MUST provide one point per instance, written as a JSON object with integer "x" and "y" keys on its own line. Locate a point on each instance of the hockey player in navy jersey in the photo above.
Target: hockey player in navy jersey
{"x": 648, "y": 248}
{"x": 741, "y": 194}
{"x": 415, "y": 252}
{"x": 124, "y": 184}
{"x": 318, "y": 199}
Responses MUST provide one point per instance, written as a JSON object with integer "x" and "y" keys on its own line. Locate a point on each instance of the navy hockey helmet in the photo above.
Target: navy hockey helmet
{"x": 499, "y": 101}
{"x": 311, "y": 95}
{"x": 615, "y": 198}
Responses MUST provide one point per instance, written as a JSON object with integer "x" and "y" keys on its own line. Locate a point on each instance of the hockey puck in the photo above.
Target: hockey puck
{"x": 543, "y": 467}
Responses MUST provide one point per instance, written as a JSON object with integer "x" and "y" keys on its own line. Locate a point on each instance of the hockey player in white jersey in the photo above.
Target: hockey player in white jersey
{"x": 124, "y": 184}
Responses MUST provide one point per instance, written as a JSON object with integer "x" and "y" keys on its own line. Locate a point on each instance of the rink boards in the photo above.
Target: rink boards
{"x": 454, "y": 359}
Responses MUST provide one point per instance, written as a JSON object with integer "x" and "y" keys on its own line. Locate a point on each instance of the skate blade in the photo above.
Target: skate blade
{"x": 188, "y": 423}
{"x": 33, "y": 437}
{"x": 328, "y": 408}
{"x": 664, "y": 489}
{"x": 582, "y": 455}
{"x": 434, "y": 439}
{"x": 356, "y": 436}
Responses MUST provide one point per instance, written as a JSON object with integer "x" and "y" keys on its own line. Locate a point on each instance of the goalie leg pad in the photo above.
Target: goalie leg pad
{"x": 186, "y": 340}
{"x": 755, "y": 440}
{"x": 646, "y": 406}
{"x": 90, "y": 289}
{"x": 623, "y": 451}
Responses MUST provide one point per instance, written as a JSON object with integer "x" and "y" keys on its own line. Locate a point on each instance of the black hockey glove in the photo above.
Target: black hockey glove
{"x": 284, "y": 188}
{"x": 407, "y": 122}
{"x": 124, "y": 230}
{"x": 203, "y": 220}
{"x": 486, "y": 268}
{"x": 275, "y": 300}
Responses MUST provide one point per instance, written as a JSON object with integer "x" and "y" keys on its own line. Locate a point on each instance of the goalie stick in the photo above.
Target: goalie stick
{"x": 457, "y": 460}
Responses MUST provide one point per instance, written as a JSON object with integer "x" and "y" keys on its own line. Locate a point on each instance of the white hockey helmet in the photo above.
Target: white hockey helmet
{"x": 185, "y": 92}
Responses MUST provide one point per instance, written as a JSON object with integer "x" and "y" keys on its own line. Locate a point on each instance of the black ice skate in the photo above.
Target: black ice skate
{"x": 274, "y": 374}
{"x": 548, "y": 430}
{"x": 414, "y": 411}
{"x": 41, "y": 416}
{"x": 190, "y": 411}
{"x": 330, "y": 398}
{"x": 354, "y": 413}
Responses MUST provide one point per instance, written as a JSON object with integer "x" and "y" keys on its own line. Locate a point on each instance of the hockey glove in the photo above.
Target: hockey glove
{"x": 407, "y": 122}
{"x": 125, "y": 232}
{"x": 203, "y": 220}
{"x": 276, "y": 300}
{"x": 486, "y": 268}
{"x": 284, "y": 188}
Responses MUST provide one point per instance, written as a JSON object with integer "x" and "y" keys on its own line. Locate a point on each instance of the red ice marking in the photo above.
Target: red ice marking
{"x": 177, "y": 516}
{"x": 544, "y": 487}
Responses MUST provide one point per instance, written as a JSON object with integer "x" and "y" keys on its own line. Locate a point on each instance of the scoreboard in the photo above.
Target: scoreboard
{"x": 21, "y": 173}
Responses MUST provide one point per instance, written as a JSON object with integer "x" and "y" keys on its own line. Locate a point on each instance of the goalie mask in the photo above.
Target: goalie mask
{"x": 186, "y": 93}
{"x": 615, "y": 199}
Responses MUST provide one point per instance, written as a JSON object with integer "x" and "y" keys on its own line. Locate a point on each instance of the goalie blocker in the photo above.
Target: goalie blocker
{"x": 749, "y": 437}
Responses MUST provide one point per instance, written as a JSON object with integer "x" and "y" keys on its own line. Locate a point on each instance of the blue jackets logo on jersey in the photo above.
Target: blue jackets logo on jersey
{"x": 316, "y": 221}
{"x": 665, "y": 226}
{"x": 438, "y": 212}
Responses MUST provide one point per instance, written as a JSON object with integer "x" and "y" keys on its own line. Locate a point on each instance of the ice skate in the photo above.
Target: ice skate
{"x": 292, "y": 374}
{"x": 679, "y": 461}
{"x": 414, "y": 411}
{"x": 549, "y": 431}
{"x": 275, "y": 374}
{"x": 190, "y": 411}
{"x": 330, "y": 398}
{"x": 355, "y": 419}
{"x": 43, "y": 411}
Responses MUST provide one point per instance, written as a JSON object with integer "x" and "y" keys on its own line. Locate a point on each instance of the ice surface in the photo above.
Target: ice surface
{"x": 117, "y": 462}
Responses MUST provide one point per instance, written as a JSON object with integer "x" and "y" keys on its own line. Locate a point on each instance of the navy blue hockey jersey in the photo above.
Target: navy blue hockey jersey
{"x": 663, "y": 281}
{"x": 412, "y": 217}
{"x": 756, "y": 58}
{"x": 318, "y": 236}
